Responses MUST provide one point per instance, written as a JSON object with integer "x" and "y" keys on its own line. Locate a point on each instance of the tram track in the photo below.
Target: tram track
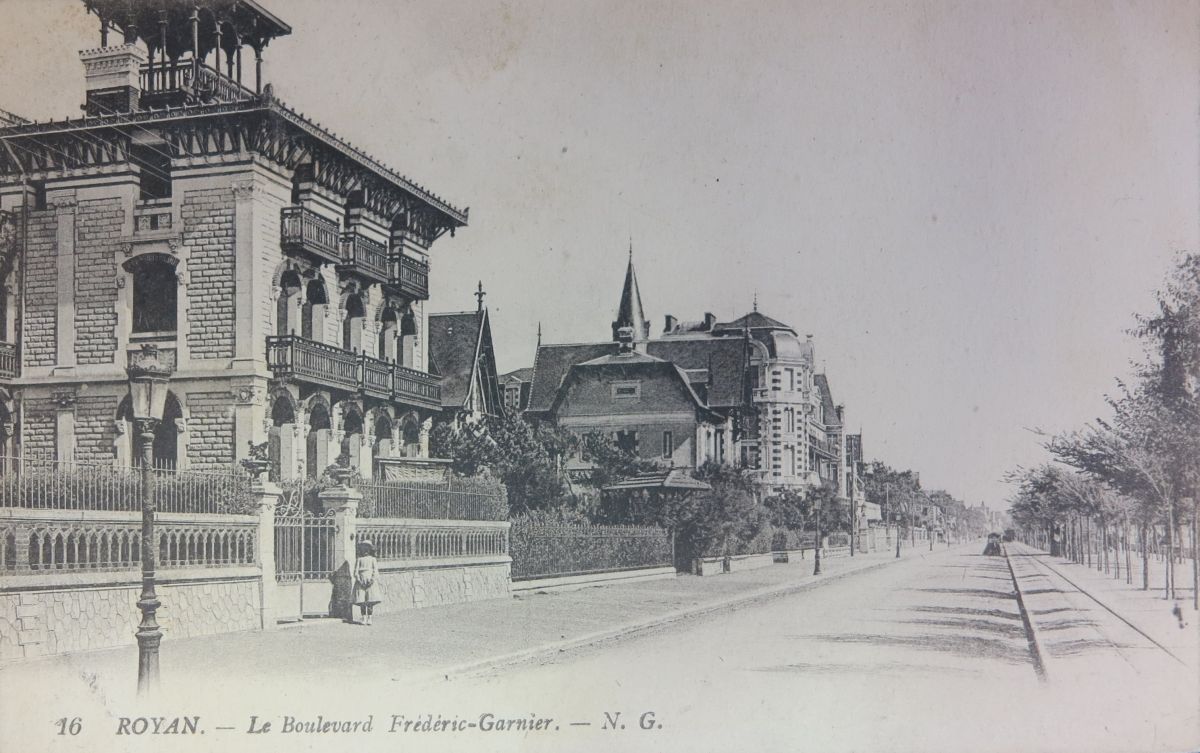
{"x": 1042, "y": 653}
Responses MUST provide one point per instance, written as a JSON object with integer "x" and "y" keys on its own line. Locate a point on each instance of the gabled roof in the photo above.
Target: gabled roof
{"x": 723, "y": 357}
{"x": 457, "y": 341}
{"x": 518, "y": 375}
{"x": 828, "y": 407}
{"x": 551, "y": 365}
{"x": 632, "y": 364}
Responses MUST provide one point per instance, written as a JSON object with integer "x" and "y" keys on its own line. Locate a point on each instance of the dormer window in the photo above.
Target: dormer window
{"x": 626, "y": 390}
{"x": 155, "y": 294}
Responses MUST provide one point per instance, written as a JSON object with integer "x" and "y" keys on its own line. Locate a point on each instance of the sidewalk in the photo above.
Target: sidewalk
{"x": 1148, "y": 611}
{"x": 421, "y": 645}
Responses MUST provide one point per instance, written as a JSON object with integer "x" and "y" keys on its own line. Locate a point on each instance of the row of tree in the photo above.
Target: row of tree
{"x": 1130, "y": 481}
{"x": 531, "y": 459}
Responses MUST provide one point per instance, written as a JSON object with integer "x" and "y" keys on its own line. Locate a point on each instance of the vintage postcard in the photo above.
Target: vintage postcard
{"x": 599, "y": 375}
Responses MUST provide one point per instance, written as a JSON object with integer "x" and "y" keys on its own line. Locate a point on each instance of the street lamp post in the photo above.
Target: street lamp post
{"x": 817, "y": 557}
{"x": 148, "y": 375}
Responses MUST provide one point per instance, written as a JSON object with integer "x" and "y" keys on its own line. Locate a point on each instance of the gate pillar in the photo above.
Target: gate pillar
{"x": 266, "y": 496}
{"x": 342, "y": 503}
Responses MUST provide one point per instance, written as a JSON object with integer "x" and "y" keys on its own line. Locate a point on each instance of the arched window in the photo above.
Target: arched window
{"x": 317, "y": 449}
{"x": 352, "y": 327}
{"x": 166, "y": 434}
{"x": 7, "y": 451}
{"x": 155, "y": 294}
{"x": 410, "y": 435}
{"x": 389, "y": 330}
{"x": 315, "y": 306}
{"x": 279, "y": 442}
{"x": 408, "y": 340}
{"x": 288, "y": 308}
{"x": 383, "y": 436}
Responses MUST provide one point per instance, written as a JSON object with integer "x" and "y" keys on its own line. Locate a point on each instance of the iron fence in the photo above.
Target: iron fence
{"x": 454, "y": 499}
{"x": 35, "y": 483}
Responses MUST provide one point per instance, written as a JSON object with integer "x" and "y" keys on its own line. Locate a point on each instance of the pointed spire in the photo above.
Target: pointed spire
{"x": 479, "y": 294}
{"x": 629, "y": 311}
{"x": 539, "y": 334}
{"x": 756, "y": 300}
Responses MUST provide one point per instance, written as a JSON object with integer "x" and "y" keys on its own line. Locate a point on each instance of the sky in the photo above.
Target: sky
{"x": 964, "y": 203}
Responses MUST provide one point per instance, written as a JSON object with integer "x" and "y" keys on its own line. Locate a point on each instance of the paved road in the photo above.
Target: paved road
{"x": 928, "y": 655}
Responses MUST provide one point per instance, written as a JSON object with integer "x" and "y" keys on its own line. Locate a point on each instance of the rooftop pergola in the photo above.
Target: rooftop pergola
{"x": 178, "y": 29}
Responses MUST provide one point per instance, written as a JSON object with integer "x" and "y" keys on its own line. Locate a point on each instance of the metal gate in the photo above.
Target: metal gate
{"x": 303, "y": 565}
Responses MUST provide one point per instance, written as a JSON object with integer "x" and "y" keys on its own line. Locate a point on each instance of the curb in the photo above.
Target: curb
{"x": 1035, "y": 648}
{"x": 630, "y": 628}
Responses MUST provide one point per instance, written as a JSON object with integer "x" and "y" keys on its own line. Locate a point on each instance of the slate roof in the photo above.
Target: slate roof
{"x": 552, "y": 363}
{"x": 723, "y": 357}
{"x": 453, "y": 343}
{"x": 753, "y": 320}
{"x": 828, "y": 407}
{"x": 520, "y": 375}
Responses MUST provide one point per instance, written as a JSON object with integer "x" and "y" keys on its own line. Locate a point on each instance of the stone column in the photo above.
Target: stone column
{"x": 266, "y": 497}
{"x": 343, "y": 502}
{"x": 65, "y": 269}
{"x": 426, "y": 427}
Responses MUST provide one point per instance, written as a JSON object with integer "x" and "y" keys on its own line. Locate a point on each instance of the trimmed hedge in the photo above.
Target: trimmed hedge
{"x": 541, "y": 550}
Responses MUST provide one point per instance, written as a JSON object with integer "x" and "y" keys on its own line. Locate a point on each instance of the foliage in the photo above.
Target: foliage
{"x": 541, "y": 548}
{"x": 529, "y": 458}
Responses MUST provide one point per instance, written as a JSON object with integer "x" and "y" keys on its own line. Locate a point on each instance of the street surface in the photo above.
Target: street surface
{"x": 929, "y": 653}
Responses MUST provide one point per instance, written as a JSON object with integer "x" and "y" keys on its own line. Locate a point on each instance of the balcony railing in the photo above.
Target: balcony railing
{"x": 330, "y": 366}
{"x": 8, "y": 360}
{"x": 172, "y": 84}
{"x": 411, "y": 276}
{"x": 311, "y": 361}
{"x": 302, "y": 230}
{"x": 365, "y": 256}
{"x": 376, "y": 376}
{"x": 414, "y": 386}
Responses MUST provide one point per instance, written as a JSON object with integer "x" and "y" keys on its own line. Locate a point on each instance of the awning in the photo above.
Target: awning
{"x": 674, "y": 480}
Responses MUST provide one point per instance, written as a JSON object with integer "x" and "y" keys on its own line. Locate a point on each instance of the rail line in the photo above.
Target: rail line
{"x": 1047, "y": 566}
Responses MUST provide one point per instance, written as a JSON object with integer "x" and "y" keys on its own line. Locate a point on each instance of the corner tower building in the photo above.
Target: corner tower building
{"x": 282, "y": 271}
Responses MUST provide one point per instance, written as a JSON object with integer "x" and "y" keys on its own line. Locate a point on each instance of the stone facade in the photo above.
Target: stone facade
{"x": 98, "y": 232}
{"x": 210, "y": 429}
{"x": 42, "y": 622}
{"x": 208, "y": 217}
{"x": 40, "y": 293}
{"x": 95, "y": 427}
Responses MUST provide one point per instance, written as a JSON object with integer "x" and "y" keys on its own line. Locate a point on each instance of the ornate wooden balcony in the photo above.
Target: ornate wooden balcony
{"x": 410, "y": 276}
{"x": 172, "y": 84}
{"x": 309, "y": 361}
{"x": 364, "y": 256}
{"x": 303, "y": 231}
{"x": 376, "y": 376}
{"x": 417, "y": 387}
{"x": 8, "y": 360}
{"x": 329, "y": 366}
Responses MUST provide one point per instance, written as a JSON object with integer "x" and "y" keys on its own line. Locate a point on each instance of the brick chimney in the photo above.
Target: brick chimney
{"x": 669, "y": 324}
{"x": 112, "y": 78}
{"x": 710, "y": 321}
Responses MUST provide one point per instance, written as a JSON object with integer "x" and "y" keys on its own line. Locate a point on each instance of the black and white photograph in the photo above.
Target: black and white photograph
{"x": 600, "y": 375}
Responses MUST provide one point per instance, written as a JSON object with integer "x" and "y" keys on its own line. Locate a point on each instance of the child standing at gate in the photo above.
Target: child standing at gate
{"x": 366, "y": 572}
